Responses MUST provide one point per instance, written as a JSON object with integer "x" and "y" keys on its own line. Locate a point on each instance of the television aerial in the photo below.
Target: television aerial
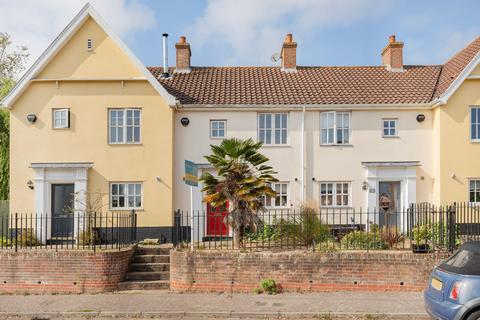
{"x": 275, "y": 57}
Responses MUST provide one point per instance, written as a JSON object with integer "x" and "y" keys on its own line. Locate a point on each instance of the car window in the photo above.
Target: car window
{"x": 464, "y": 262}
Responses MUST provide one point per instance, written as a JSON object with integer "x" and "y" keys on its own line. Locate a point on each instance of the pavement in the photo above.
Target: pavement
{"x": 165, "y": 304}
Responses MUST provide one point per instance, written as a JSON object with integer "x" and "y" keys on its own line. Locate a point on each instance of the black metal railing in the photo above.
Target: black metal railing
{"x": 420, "y": 227}
{"x": 92, "y": 231}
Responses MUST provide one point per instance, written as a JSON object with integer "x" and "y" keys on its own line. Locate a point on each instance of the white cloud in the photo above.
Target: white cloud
{"x": 252, "y": 28}
{"x": 36, "y": 23}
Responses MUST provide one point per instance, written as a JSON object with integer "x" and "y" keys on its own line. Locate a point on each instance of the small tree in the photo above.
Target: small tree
{"x": 242, "y": 179}
{"x": 11, "y": 64}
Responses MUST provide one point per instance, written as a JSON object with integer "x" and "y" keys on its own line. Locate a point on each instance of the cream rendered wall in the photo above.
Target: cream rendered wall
{"x": 87, "y": 139}
{"x": 340, "y": 163}
{"x": 458, "y": 155}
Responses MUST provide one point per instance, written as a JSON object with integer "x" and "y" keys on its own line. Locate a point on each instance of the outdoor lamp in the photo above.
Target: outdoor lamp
{"x": 31, "y": 118}
{"x": 420, "y": 117}
{"x": 184, "y": 121}
{"x": 364, "y": 185}
{"x": 30, "y": 184}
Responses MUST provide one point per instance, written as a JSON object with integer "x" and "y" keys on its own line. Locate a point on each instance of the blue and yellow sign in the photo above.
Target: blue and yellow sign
{"x": 191, "y": 173}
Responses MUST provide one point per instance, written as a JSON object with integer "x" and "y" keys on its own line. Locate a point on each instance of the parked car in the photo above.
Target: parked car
{"x": 453, "y": 291}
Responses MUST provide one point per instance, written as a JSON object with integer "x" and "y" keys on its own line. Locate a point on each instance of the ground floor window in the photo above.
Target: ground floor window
{"x": 334, "y": 194}
{"x": 474, "y": 191}
{"x": 126, "y": 195}
{"x": 281, "y": 199}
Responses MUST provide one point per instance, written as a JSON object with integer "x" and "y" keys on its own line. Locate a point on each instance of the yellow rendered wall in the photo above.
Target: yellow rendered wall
{"x": 87, "y": 138}
{"x": 459, "y": 156}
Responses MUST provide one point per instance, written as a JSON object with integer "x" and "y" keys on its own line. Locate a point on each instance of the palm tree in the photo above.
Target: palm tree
{"x": 242, "y": 179}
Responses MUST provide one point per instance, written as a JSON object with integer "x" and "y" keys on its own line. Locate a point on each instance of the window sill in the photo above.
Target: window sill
{"x": 60, "y": 129}
{"x": 276, "y": 146}
{"x": 125, "y": 144}
{"x": 391, "y": 137}
{"x": 474, "y": 141}
{"x": 336, "y": 207}
{"x": 336, "y": 145}
{"x": 125, "y": 209}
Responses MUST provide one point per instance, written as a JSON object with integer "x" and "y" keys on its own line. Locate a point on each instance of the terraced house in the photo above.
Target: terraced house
{"x": 90, "y": 118}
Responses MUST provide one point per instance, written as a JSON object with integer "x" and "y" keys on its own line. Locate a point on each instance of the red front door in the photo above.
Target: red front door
{"x": 215, "y": 220}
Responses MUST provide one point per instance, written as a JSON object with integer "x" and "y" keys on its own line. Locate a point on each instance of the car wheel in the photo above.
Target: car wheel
{"x": 474, "y": 316}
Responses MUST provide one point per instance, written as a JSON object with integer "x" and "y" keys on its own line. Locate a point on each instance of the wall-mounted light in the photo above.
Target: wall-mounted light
{"x": 420, "y": 117}
{"x": 313, "y": 179}
{"x": 30, "y": 184}
{"x": 296, "y": 179}
{"x": 184, "y": 121}
{"x": 364, "y": 185}
{"x": 31, "y": 118}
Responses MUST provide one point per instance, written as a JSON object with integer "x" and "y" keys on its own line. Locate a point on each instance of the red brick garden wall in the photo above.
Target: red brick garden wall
{"x": 301, "y": 271}
{"x": 65, "y": 271}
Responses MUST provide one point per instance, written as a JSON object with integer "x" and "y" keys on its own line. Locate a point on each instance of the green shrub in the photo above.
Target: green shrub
{"x": 363, "y": 240}
{"x": 5, "y": 242}
{"x": 422, "y": 233}
{"x": 269, "y": 286}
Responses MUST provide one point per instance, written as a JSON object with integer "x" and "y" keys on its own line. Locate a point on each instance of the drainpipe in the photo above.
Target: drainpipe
{"x": 303, "y": 155}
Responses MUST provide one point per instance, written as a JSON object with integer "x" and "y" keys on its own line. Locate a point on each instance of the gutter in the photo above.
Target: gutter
{"x": 311, "y": 107}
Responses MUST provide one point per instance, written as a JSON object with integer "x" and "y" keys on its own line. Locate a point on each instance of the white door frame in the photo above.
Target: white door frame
{"x": 404, "y": 172}
{"x": 46, "y": 174}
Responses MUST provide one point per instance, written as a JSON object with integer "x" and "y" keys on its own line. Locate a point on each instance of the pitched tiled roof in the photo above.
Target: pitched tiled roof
{"x": 314, "y": 85}
{"x": 455, "y": 66}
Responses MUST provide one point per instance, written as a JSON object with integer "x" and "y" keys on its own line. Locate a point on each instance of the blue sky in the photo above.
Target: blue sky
{"x": 432, "y": 31}
{"x": 248, "y": 32}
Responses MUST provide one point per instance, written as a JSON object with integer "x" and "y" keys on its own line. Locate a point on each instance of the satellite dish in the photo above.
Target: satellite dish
{"x": 275, "y": 57}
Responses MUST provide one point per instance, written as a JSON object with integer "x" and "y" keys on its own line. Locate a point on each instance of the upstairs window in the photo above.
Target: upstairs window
{"x": 124, "y": 126}
{"x": 390, "y": 128}
{"x": 61, "y": 118}
{"x": 475, "y": 124}
{"x": 218, "y": 129}
{"x": 273, "y": 128}
{"x": 335, "y": 128}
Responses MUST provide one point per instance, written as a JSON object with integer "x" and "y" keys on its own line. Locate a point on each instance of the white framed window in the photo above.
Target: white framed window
{"x": 281, "y": 199}
{"x": 335, "y": 194}
{"x": 474, "y": 190}
{"x": 89, "y": 44}
{"x": 273, "y": 128}
{"x": 335, "y": 128}
{"x": 61, "y": 118}
{"x": 390, "y": 128}
{"x": 124, "y": 126}
{"x": 475, "y": 124}
{"x": 218, "y": 129}
{"x": 126, "y": 195}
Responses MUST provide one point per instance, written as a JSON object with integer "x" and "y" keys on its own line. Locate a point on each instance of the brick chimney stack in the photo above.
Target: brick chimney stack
{"x": 392, "y": 55}
{"x": 289, "y": 54}
{"x": 183, "y": 56}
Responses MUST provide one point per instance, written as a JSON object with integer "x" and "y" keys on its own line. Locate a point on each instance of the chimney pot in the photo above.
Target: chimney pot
{"x": 392, "y": 55}
{"x": 289, "y": 54}
{"x": 183, "y": 56}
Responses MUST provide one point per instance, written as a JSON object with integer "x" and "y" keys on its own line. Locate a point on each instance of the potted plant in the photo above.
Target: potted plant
{"x": 422, "y": 234}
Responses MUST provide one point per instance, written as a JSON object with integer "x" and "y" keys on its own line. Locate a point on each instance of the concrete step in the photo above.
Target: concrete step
{"x": 152, "y": 251}
{"x": 144, "y": 285}
{"x": 147, "y": 276}
{"x": 143, "y": 267}
{"x": 150, "y": 258}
